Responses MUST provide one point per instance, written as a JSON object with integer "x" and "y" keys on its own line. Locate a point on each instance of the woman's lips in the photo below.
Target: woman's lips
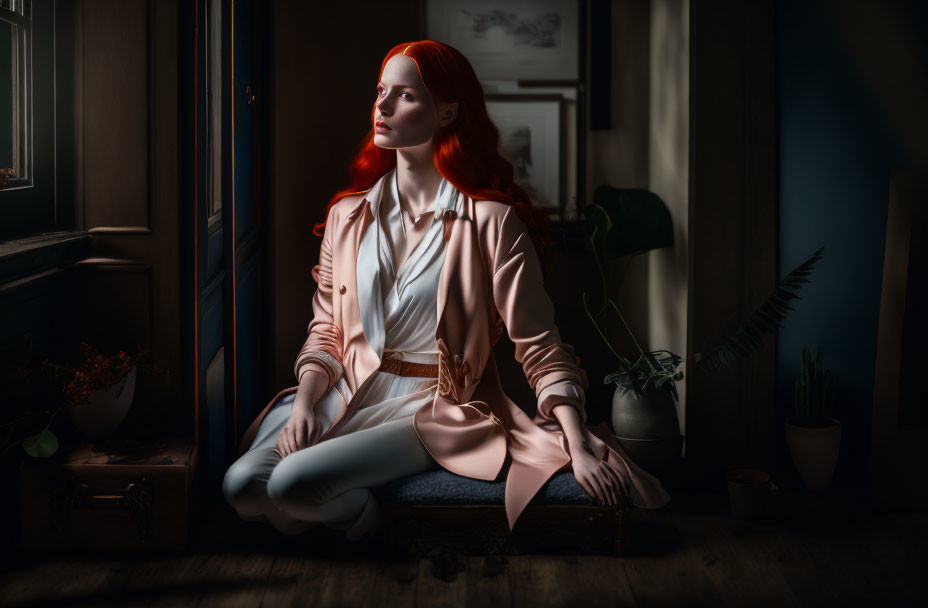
{"x": 382, "y": 126}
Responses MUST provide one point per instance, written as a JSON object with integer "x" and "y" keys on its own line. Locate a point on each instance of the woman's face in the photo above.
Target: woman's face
{"x": 405, "y": 115}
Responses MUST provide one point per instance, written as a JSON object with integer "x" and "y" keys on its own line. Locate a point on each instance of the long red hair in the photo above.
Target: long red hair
{"x": 466, "y": 151}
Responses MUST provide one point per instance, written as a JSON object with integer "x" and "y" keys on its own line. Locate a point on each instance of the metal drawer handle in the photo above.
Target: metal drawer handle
{"x": 134, "y": 496}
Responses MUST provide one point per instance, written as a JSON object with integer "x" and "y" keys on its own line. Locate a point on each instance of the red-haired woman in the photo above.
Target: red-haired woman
{"x": 426, "y": 259}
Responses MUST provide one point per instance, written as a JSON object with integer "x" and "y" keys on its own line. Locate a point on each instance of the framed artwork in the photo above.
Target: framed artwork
{"x": 525, "y": 40}
{"x": 531, "y": 138}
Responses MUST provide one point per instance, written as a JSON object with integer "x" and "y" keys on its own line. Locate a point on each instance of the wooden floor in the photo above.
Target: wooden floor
{"x": 690, "y": 553}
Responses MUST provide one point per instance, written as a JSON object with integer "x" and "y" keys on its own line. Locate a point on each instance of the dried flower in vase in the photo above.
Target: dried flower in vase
{"x": 95, "y": 372}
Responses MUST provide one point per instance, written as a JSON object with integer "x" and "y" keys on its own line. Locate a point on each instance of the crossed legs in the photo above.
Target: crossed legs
{"x": 326, "y": 483}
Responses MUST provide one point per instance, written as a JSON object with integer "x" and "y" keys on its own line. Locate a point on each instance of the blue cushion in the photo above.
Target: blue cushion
{"x": 442, "y": 487}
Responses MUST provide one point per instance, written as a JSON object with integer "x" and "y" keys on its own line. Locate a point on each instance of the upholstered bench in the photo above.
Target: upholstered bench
{"x": 439, "y": 508}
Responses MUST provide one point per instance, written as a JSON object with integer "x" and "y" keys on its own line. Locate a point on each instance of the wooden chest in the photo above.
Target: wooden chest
{"x": 134, "y": 496}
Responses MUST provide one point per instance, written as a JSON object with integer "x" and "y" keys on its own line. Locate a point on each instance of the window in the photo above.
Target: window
{"x": 214, "y": 95}
{"x": 32, "y": 201}
{"x": 15, "y": 93}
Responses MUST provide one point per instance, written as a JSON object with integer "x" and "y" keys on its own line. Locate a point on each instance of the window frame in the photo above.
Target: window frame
{"x": 43, "y": 206}
{"x": 20, "y": 18}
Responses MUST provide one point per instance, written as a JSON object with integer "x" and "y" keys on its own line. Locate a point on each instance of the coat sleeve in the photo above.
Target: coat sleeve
{"x": 551, "y": 367}
{"x": 323, "y": 346}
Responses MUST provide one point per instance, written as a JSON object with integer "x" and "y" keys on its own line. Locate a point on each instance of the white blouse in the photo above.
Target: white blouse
{"x": 399, "y": 311}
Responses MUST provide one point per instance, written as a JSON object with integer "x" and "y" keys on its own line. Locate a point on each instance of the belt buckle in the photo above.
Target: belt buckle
{"x": 394, "y": 366}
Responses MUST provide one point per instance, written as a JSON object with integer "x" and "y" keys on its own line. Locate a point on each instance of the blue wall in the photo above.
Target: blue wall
{"x": 836, "y": 152}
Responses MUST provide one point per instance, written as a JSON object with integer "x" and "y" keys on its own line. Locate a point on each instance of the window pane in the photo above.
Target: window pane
{"x": 214, "y": 69}
{"x": 7, "y": 120}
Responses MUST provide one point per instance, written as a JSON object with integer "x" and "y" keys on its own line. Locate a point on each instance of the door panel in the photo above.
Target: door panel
{"x": 228, "y": 239}
{"x": 247, "y": 266}
{"x": 250, "y": 399}
{"x": 210, "y": 334}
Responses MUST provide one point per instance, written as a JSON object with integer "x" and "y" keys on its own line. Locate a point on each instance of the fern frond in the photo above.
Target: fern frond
{"x": 768, "y": 316}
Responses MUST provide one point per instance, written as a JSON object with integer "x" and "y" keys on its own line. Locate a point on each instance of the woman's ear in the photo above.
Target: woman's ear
{"x": 448, "y": 115}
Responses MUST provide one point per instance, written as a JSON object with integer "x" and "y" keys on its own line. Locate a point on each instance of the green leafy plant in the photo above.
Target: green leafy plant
{"x": 623, "y": 223}
{"x": 814, "y": 394}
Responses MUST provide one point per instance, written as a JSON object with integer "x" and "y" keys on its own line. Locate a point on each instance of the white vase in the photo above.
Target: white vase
{"x": 814, "y": 451}
{"x": 106, "y": 408}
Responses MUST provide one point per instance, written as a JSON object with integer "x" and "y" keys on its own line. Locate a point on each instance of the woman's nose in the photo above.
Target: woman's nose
{"x": 384, "y": 107}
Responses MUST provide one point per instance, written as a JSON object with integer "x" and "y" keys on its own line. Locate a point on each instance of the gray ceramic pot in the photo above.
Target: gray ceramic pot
{"x": 647, "y": 427}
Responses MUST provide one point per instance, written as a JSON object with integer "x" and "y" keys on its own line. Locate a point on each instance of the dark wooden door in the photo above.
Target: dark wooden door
{"x": 246, "y": 268}
{"x": 228, "y": 243}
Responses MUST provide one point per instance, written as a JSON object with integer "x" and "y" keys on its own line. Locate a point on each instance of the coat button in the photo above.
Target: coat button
{"x": 342, "y": 289}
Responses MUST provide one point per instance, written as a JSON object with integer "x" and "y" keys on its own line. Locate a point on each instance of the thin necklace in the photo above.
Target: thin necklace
{"x": 414, "y": 221}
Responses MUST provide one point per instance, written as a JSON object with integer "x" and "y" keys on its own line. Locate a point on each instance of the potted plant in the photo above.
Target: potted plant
{"x": 623, "y": 223}
{"x": 98, "y": 389}
{"x": 814, "y": 437}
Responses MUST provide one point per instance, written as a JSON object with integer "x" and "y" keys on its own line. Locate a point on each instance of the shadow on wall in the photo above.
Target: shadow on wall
{"x": 852, "y": 88}
{"x": 886, "y": 45}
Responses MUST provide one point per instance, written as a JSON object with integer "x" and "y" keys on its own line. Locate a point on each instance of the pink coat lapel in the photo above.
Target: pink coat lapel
{"x": 360, "y": 358}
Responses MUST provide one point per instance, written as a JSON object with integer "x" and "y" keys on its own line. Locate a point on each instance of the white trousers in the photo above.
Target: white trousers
{"x": 327, "y": 483}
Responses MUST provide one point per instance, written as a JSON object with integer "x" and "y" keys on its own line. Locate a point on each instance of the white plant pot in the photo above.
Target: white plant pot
{"x": 815, "y": 452}
{"x": 106, "y": 409}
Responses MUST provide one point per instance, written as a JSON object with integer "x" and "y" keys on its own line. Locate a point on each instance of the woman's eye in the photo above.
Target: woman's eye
{"x": 407, "y": 96}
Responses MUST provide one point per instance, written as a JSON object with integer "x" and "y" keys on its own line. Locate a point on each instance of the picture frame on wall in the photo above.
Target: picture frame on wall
{"x": 525, "y": 40}
{"x": 531, "y": 129}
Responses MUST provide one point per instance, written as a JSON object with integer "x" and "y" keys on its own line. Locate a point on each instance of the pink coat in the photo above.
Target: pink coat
{"x": 490, "y": 280}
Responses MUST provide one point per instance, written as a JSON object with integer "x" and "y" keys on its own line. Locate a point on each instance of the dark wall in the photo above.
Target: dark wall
{"x": 325, "y": 59}
{"x": 848, "y": 75}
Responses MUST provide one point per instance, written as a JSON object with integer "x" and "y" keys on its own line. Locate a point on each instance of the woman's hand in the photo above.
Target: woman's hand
{"x": 596, "y": 477}
{"x": 300, "y": 430}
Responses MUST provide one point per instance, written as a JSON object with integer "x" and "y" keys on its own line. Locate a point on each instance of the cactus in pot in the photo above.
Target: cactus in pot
{"x": 814, "y": 391}
{"x": 814, "y": 438}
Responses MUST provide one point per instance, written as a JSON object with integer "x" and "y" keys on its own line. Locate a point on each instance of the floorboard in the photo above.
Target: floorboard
{"x": 296, "y": 581}
{"x": 667, "y": 569}
{"x": 692, "y": 553}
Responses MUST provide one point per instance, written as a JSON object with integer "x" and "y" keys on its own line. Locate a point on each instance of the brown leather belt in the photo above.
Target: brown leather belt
{"x": 408, "y": 368}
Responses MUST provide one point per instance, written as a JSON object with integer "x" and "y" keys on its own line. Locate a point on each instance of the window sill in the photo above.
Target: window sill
{"x": 39, "y": 253}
